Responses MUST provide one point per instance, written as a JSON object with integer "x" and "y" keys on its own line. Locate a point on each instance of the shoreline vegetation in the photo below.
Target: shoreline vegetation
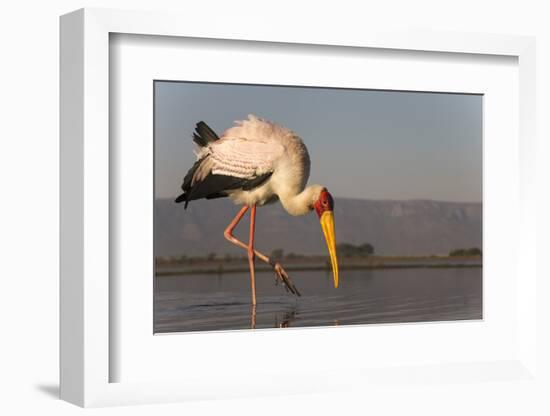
{"x": 292, "y": 263}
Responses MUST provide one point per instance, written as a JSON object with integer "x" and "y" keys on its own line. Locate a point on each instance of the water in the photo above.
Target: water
{"x": 221, "y": 302}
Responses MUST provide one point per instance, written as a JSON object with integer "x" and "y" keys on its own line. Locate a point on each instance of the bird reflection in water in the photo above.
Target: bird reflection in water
{"x": 287, "y": 318}
{"x": 252, "y": 316}
{"x": 284, "y": 322}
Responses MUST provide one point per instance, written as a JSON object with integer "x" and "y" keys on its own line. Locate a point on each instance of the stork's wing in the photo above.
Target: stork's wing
{"x": 244, "y": 158}
{"x": 230, "y": 164}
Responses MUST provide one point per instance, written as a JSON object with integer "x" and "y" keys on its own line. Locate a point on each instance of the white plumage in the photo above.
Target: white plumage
{"x": 244, "y": 158}
{"x": 254, "y": 147}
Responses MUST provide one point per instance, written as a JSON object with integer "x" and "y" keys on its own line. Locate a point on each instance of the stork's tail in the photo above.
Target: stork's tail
{"x": 204, "y": 135}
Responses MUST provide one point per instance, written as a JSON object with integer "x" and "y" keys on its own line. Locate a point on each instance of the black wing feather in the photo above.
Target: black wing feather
{"x": 204, "y": 135}
{"x": 189, "y": 177}
{"x": 250, "y": 184}
{"x": 213, "y": 184}
{"x": 216, "y": 186}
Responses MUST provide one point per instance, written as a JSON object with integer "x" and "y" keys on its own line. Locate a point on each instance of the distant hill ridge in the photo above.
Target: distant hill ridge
{"x": 393, "y": 227}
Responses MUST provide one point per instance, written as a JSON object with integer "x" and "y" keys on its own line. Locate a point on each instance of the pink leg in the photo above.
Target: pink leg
{"x": 228, "y": 233}
{"x": 277, "y": 268}
{"x": 251, "y": 253}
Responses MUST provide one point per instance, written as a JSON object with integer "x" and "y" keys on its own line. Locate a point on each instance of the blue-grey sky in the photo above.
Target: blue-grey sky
{"x": 362, "y": 143}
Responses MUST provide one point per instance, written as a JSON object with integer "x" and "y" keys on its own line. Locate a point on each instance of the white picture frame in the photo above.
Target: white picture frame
{"x": 86, "y": 355}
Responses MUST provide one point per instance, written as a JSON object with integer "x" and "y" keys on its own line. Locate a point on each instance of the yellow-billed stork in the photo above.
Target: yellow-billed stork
{"x": 257, "y": 162}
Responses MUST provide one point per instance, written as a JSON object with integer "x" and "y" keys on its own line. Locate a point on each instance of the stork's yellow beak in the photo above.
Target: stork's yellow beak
{"x": 327, "y": 224}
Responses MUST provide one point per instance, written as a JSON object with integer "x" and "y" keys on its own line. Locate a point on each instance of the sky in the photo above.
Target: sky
{"x": 364, "y": 144}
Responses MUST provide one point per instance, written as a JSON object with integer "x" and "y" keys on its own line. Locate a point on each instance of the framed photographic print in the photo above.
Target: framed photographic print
{"x": 403, "y": 175}
{"x": 225, "y": 197}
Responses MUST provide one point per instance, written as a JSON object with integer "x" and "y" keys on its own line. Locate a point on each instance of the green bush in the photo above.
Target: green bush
{"x": 350, "y": 250}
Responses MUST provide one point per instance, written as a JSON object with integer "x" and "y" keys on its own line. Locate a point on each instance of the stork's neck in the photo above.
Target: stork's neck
{"x": 300, "y": 204}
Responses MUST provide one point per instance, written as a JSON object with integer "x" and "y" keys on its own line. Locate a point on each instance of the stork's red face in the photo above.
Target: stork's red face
{"x": 324, "y": 206}
{"x": 324, "y": 203}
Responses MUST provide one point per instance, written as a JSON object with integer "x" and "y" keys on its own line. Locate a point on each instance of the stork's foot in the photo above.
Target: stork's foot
{"x": 282, "y": 276}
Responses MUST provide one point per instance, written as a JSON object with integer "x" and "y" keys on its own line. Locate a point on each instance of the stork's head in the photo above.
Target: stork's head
{"x": 324, "y": 207}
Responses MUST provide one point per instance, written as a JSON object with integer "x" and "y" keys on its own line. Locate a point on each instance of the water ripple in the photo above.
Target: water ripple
{"x": 197, "y": 303}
